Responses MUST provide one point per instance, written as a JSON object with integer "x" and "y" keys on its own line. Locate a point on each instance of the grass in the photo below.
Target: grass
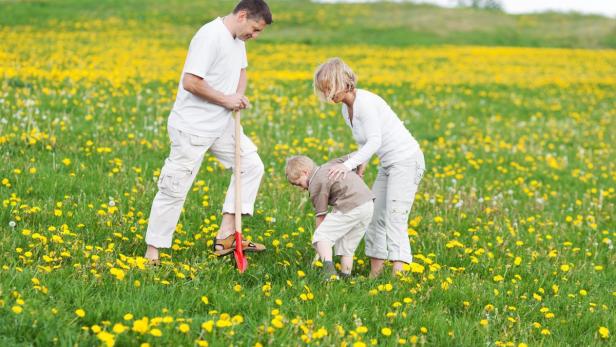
{"x": 302, "y": 21}
{"x": 512, "y": 230}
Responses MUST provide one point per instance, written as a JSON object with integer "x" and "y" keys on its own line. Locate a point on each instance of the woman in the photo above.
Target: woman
{"x": 377, "y": 130}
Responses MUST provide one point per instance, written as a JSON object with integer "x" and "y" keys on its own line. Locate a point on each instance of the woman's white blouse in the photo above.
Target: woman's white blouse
{"x": 377, "y": 130}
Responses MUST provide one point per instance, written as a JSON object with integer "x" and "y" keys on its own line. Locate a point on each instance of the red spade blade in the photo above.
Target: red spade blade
{"x": 240, "y": 259}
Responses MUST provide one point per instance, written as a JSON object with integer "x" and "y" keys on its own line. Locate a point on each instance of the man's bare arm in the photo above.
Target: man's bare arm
{"x": 241, "y": 87}
{"x": 199, "y": 87}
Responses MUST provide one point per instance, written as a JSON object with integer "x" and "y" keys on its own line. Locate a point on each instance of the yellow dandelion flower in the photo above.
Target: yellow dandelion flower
{"x": 184, "y": 328}
{"x": 517, "y": 261}
{"x": 277, "y": 323}
{"x": 223, "y": 323}
{"x": 106, "y": 338}
{"x": 208, "y": 326}
{"x": 416, "y": 268}
{"x": 156, "y": 332}
{"x": 141, "y": 325}
{"x": 237, "y": 319}
{"x": 119, "y": 328}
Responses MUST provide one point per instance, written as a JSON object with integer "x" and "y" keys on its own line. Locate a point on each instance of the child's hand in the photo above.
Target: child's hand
{"x": 361, "y": 169}
{"x": 338, "y": 171}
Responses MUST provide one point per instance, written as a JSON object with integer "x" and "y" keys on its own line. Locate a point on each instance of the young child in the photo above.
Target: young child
{"x": 377, "y": 130}
{"x": 345, "y": 226}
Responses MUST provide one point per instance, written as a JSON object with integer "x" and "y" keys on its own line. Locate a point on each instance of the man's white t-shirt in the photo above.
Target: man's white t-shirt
{"x": 378, "y": 130}
{"x": 217, "y": 57}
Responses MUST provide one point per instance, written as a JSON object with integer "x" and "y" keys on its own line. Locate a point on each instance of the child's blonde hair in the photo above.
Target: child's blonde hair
{"x": 297, "y": 164}
{"x": 333, "y": 77}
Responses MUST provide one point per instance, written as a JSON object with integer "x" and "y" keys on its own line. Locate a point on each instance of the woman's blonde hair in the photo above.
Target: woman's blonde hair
{"x": 333, "y": 77}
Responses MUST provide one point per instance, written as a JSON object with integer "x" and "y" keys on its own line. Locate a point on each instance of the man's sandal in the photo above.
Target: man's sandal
{"x": 226, "y": 246}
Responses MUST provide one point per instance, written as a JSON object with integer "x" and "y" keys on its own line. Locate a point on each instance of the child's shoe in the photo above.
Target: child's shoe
{"x": 344, "y": 275}
{"x": 329, "y": 272}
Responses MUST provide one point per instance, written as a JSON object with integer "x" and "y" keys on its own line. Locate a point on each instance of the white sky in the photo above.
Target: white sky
{"x": 604, "y": 7}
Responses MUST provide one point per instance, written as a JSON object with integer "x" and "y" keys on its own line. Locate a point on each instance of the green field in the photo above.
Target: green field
{"x": 512, "y": 229}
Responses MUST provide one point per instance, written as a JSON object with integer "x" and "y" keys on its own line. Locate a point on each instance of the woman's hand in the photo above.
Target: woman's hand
{"x": 361, "y": 169}
{"x": 337, "y": 171}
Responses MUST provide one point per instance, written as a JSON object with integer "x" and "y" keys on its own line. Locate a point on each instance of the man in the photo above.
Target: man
{"x": 212, "y": 85}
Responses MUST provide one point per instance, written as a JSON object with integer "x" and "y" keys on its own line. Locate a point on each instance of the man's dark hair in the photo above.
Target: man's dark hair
{"x": 256, "y": 9}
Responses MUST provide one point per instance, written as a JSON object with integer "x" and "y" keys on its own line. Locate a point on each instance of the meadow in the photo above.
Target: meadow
{"x": 512, "y": 230}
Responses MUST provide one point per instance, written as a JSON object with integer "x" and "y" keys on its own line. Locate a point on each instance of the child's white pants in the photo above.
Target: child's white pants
{"x": 181, "y": 168}
{"x": 395, "y": 188}
{"x": 345, "y": 230}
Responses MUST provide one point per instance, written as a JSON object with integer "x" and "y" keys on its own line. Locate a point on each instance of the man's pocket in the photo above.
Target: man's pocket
{"x": 174, "y": 180}
{"x": 195, "y": 140}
